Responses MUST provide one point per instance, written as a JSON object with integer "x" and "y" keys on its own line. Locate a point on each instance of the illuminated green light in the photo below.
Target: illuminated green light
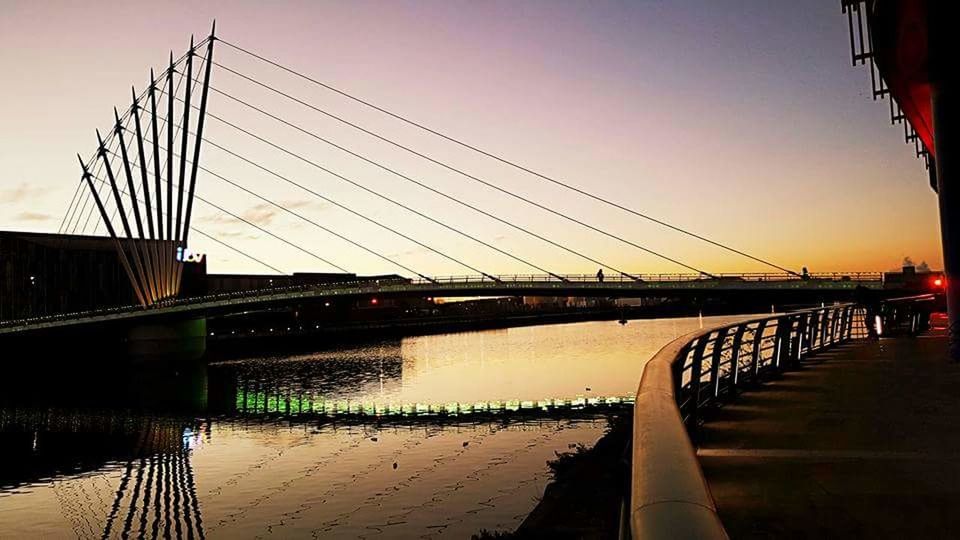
{"x": 260, "y": 402}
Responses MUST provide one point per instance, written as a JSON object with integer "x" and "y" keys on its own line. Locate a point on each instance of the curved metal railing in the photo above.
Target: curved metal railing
{"x": 669, "y": 497}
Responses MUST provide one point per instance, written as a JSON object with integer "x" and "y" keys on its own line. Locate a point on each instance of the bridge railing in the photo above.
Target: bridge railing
{"x": 659, "y": 277}
{"x": 465, "y": 280}
{"x": 669, "y": 497}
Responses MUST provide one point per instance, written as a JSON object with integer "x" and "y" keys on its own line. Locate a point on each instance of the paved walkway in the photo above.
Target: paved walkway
{"x": 862, "y": 442}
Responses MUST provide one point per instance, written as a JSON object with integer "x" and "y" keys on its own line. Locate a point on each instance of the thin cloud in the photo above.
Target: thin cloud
{"x": 237, "y": 234}
{"x": 301, "y": 203}
{"x": 32, "y": 216}
{"x": 19, "y": 193}
{"x": 218, "y": 219}
{"x": 261, "y": 214}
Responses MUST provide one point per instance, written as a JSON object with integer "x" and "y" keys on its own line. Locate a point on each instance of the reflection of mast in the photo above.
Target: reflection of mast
{"x": 164, "y": 491}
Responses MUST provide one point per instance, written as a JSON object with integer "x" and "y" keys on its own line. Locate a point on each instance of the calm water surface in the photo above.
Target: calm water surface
{"x": 280, "y": 445}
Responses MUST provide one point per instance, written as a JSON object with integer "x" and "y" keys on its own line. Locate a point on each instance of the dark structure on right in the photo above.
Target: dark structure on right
{"x": 910, "y": 48}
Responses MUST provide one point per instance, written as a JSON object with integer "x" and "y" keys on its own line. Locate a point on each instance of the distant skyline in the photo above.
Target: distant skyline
{"x": 742, "y": 121}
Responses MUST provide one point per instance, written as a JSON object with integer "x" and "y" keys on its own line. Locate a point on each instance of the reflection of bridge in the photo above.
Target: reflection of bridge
{"x": 468, "y": 286}
{"x": 156, "y": 492}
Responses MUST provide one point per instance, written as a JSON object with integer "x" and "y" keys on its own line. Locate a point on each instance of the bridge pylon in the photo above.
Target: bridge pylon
{"x": 151, "y": 255}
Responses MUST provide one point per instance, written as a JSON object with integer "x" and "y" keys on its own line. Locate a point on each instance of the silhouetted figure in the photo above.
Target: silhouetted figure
{"x": 600, "y": 275}
{"x": 865, "y": 297}
{"x": 804, "y": 273}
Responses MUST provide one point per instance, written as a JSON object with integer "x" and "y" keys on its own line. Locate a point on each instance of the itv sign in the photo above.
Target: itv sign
{"x": 184, "y": 255}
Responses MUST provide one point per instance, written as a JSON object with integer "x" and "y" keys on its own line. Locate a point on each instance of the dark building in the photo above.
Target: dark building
{"x": 44, "y": 274}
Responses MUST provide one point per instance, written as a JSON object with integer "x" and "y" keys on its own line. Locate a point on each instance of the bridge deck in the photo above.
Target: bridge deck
{"x": 467, "y": 286}
{"x": 864, "y": 442}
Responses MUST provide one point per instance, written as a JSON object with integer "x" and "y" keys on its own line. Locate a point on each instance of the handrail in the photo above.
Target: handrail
{"x": 517, "y": 281}
{"x": 669, "y": 497}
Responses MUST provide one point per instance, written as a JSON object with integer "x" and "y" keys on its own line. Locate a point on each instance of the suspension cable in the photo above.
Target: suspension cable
{"x": 502, "y": 159}
{"x": 321, "y": 227}
{"x": 127, "y": 116}
{"x": 265, "y": 231}
{"x": 372, "y": 192}
{"x": 245, "y": 254}
{"x": 421, "y": 184}
{"x": 494, "y": 186}
{"x": 72, "y": 208}
{"x": 312, "y": 222}
{"x": 236, "y": 249}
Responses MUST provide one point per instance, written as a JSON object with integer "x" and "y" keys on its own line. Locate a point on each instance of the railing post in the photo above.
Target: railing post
{"x": 853, "y": 318}
{"x": 795, "y": 332}
{"x": 814, "y": 327}
{"x": 678, "y": 374}
{"x": 781, "y": 342}
{"x": 757, "y": 345}
{"x": 842, "y": 328}
{"x": 802, "y": 327}
{"x": 715, "y": 358}
{"x": 828, "y": 334}
{"x": 696, "y": 373}
{"x": 834, "y": 326}
{"x": 735, "y": 357}
{"x": 809, "y": 324}
{"x": 823, "y": 328}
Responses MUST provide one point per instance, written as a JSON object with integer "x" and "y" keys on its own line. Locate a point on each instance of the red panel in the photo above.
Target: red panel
{"x": 900, "y": 45}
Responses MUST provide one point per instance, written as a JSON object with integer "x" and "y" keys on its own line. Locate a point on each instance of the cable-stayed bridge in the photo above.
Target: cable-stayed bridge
{"x": 140, "y": 184}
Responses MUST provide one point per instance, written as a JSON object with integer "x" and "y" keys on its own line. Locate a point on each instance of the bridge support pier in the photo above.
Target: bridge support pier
{"x": 944, "y": 107}
{"x": 182, "y": 340}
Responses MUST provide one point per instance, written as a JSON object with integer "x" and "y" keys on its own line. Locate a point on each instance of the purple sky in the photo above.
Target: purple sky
{"x": 743, "y": 121}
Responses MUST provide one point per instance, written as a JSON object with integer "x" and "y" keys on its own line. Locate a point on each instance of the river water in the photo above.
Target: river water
{"x": 423, "y": 437}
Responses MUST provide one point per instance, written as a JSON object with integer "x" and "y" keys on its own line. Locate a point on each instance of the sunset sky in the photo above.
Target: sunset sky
{"x": 743, "y": 121}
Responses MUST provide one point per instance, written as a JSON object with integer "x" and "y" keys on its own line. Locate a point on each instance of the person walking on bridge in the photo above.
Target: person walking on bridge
{"x": 600, "y": 275}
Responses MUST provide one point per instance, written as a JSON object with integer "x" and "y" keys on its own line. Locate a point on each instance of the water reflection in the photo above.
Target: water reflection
{"x": 304, "y": 445}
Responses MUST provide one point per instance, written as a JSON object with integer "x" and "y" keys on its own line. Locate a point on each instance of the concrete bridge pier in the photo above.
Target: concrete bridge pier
{"x": 181, "y": 340}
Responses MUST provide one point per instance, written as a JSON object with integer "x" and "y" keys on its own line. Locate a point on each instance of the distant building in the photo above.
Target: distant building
{"x": 43, "y": 274}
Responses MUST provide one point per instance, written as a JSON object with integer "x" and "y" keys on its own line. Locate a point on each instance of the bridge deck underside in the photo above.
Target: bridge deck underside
{"x": 863, "y": 442}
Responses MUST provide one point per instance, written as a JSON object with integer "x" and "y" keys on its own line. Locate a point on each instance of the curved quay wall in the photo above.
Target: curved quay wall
{"x": 669, "y": 497}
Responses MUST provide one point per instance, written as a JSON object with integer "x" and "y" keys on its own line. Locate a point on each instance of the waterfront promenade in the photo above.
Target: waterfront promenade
{"x": 863, "y": 441}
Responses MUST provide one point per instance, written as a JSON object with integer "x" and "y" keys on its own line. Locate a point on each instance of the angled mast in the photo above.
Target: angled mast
{"x": 199, "y": 137}
{"x": 113, "y": 233}
{"x": 147, "y": 242}
{"x": 184, "y": 131}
